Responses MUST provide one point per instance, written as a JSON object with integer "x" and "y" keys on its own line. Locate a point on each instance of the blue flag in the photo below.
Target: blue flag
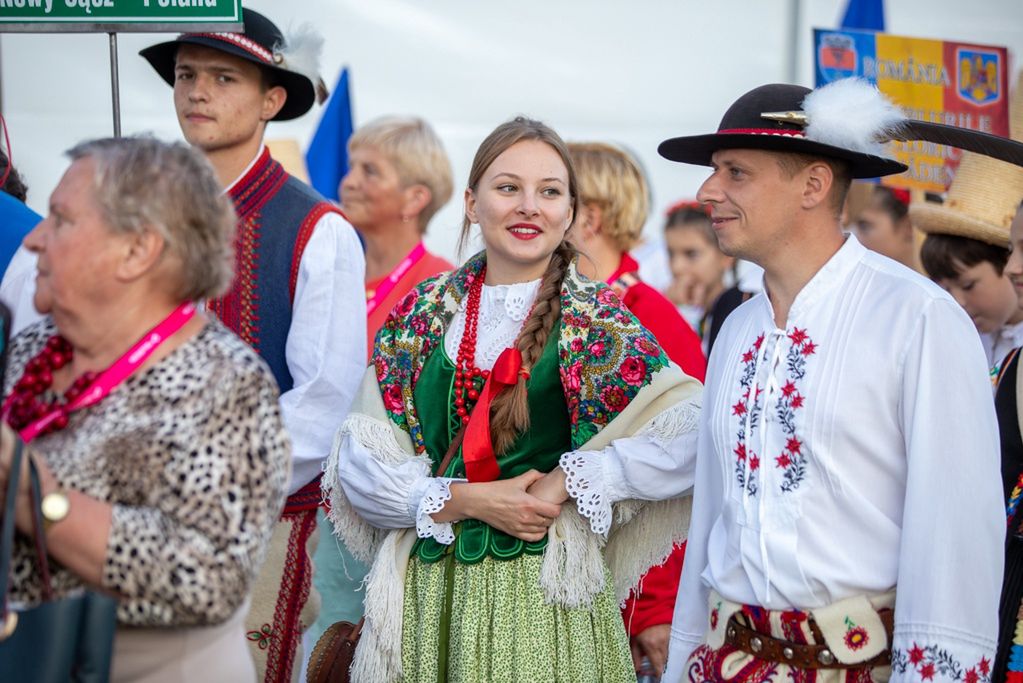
{"x": 327, "y": 156}
{"x": 867, "y": 15}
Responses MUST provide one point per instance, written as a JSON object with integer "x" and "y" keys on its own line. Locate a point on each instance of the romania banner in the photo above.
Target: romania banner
{"x": 959, "y": 84}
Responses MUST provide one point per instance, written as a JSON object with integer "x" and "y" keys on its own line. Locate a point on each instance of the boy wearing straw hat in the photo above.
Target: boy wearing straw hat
{"x": 967, "y": 243}
{"x": 834, "y": 471}
{"x": 297, "y": 294}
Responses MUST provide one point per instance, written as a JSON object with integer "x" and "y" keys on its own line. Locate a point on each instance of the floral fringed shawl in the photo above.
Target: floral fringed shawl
{"x": 617, "y": 383}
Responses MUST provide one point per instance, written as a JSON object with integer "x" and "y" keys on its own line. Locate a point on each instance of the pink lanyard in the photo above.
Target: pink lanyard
{"x": 122, "y": 368}
{"x": 391, "y": 280}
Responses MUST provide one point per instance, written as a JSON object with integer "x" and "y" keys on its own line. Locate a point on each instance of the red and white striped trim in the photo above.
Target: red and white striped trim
{"x": 763, "y": 131}
{"x": 238, "y": 40}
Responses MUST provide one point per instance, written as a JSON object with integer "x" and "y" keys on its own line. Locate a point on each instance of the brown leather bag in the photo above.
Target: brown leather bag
{"x": 331, "y": 660}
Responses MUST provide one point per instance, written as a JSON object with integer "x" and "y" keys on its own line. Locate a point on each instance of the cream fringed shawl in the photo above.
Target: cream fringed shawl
{"x": 665, "y": 404}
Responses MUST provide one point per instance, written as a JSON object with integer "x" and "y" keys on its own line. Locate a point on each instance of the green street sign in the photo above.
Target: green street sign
{"x": 108, "y": 16}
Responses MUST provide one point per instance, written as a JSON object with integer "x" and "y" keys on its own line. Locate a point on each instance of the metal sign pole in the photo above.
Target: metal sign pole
{"x": 104, "y": 16}
{"x": 115, "y": 85}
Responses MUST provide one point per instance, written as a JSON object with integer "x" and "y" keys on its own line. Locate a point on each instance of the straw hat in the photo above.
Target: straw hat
{"x": 984, "y": 194}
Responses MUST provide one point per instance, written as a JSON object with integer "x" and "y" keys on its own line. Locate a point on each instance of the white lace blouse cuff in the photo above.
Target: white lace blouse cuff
{"x": 432, "y": 493}
{"x": 587, "y": 482}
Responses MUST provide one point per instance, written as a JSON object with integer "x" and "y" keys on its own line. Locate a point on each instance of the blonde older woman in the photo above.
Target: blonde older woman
{"x": 614, "y": 201}
{"x": 398, "y": 178}
{"x": 173, "y": 479}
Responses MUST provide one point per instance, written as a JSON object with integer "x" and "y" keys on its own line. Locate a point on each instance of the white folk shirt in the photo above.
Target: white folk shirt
{"x": 853, "y": 452}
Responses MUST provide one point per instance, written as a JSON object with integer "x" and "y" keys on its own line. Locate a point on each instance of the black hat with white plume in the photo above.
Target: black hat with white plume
{"x": 292, "y": 61}
{"x": 849, "y": 120}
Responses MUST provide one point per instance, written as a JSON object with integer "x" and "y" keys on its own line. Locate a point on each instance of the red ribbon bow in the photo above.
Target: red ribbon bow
{"x": 478, "y": 448}
{"x": 901, "y": 195}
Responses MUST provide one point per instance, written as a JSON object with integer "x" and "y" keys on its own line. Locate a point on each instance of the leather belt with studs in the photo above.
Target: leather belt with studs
{"x": 799, "y": 655}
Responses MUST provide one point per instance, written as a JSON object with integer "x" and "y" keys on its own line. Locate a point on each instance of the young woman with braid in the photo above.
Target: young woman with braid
{"x": 517, "y": 453}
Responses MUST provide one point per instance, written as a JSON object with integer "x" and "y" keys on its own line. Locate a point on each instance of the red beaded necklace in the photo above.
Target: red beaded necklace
{"x": 469, "y": 379}
{"x": 25, "y": 404}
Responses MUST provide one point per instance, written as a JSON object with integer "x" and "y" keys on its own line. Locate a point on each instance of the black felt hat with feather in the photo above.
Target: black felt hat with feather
{"x": 849, "y": 120}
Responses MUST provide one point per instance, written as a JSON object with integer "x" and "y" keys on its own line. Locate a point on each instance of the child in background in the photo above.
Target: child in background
{"x": 884, "y": 226}
{"x": 613, "y": 205}
{"x": 967, "y": 243}
{"x": 1008, "y": 664}
{"x": 698, "y": 269}
{"x": 971, "y": 270}
{"x": 965, "y": 252}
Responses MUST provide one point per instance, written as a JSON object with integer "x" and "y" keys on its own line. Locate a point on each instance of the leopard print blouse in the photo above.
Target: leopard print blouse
{"x": 193, "y": 456}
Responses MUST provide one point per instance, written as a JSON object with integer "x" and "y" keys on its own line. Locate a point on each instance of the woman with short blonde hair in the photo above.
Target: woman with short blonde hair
{"x": 611, "y": 178}
{"x": 410, "y": 144}
{"x": 398, "y": 178}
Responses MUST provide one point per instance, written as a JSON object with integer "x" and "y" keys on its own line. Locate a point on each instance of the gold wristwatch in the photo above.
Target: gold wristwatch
{"x": 55, "y": 506}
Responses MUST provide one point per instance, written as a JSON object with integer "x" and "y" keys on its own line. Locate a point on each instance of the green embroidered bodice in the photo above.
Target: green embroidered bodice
{"x": 540, "y": 448}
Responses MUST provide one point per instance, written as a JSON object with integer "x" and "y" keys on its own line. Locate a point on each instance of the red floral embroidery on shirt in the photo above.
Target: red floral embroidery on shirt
{"x": 792, "y": 460}
{"x": 747, "y": 463}
{"x": 929, "y": 661}
{"x": 262, "y": 636}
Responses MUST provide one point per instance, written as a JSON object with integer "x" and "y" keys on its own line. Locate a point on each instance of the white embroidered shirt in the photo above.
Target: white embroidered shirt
{"x": 851, "y": 453}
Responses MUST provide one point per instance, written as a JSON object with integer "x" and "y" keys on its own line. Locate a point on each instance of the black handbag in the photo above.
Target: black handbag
{"x": 60, "y": 641}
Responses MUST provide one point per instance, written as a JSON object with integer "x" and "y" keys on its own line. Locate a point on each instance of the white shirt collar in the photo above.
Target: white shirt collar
{"x": 830, "y": 275}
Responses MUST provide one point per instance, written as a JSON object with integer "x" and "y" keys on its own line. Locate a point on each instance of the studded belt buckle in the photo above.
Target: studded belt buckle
{"x": 767, "y": 648}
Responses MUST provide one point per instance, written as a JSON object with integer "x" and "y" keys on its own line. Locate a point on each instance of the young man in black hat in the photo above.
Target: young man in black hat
{"x": 297, "y": 295}
{"x": 847, "y": 476}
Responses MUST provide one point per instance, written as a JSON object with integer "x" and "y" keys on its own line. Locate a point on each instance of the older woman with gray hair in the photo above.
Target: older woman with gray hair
{"x": 170, "y": 482}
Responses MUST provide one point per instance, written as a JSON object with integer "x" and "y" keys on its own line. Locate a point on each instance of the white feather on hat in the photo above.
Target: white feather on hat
{"x": 851, "y": 114}
{"x": 301, "y": 53}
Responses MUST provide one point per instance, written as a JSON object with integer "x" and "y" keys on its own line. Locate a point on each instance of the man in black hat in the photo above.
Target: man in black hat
{"x": 846, "y": 514}
{"x": 297, "y": 295}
